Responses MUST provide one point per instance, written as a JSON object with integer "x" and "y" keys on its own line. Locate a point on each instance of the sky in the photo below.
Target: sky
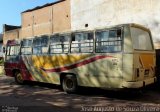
{"x": 10, "y": 10}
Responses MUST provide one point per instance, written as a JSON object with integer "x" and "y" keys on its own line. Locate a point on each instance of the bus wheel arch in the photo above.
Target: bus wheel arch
{"x": 18, "y": 76}
{"x": 69, "y": 82}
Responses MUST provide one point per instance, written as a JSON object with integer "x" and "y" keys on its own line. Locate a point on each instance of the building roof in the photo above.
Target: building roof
{"x": 46, "y": 5}
{"x": 10, "y": 27}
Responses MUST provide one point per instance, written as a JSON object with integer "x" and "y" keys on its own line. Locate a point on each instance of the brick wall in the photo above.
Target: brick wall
{"x": 9, "y": 35}
{"x": 47, "y": 20}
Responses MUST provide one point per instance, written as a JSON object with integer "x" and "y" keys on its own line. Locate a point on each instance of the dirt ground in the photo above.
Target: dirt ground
{"x": 39, "y": 97}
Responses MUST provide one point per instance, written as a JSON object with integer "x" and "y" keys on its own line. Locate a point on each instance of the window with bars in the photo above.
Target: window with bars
{"x": 13, "y": 53}
{"x": 13, "y": 50}
{"x": 82, "y": 42}
{"x": 59, "y": 44}
{"x": 40, "y": 45}
{"x": 109, "y": 41}
{"x": 26, "y": 47}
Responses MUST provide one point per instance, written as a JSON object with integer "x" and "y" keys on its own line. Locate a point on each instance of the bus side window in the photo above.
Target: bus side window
{"x": 44, "y": 44}
{"x": 65, "y": 43}
{"x": 26, "y": 47}
{"x": 37, "y": 46}
{"x": 40, "y": 45}
{"x": 102, "y": 37}
{"x": 108, "y": 41}
{"x": 55, "y": 44}
{"x": 82, "y": 42}
{"x": 115, "y": 44}
{"x": 59, "y": 44}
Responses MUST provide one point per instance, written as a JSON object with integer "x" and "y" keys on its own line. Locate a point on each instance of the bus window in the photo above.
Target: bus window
{"x": 26, "y": 47}
{"x": 108, "y": 41}
{"x": 14, "y": 50}
{"x": 44, "y": 44}
{"x": 65, "y": 43}
{"x": 82, "y": 43}
{"x": 7, "y": 51}
{"x": 40, "y": 45}
{"x": 141, "y": 39}
{"x": 59, "y": 44}
{"x": 37, "y": 46}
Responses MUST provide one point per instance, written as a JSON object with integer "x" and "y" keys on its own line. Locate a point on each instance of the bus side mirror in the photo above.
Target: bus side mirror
{"x": 4, "y": 49}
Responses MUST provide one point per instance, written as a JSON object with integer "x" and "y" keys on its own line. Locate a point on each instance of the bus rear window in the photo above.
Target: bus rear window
{"x": 141, "y": 39}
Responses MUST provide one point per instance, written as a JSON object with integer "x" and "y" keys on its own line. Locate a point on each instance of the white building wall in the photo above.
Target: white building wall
{"x": 100, "y": 13}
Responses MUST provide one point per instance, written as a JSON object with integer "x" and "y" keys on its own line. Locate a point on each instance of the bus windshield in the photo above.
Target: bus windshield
{"x": 13, "y": 50}
{"x": 141, "y": 39}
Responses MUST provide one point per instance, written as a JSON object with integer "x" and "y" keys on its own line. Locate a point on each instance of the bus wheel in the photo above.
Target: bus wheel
{"x": 69, "y": 84}
{"x": 18, "y": 78}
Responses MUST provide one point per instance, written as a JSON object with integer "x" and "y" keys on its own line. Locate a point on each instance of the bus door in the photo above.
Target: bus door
{"x": 12, "y": 58}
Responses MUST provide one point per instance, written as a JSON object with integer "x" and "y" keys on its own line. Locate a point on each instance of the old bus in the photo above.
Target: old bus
{"x": 115, "y": 57}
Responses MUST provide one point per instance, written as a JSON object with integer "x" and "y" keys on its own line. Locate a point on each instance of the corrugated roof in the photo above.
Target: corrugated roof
{"x": 46, "y": 5}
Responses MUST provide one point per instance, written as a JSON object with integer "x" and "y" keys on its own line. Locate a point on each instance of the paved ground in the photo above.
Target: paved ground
{"x": 50, "y": 98}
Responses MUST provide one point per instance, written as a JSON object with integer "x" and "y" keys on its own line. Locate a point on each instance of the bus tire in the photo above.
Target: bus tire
{"x": 69, "y": 84}
{"x": 18, "y": 78}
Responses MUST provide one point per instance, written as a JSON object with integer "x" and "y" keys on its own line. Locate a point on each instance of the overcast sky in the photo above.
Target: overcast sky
{"x": 10, "y": 10}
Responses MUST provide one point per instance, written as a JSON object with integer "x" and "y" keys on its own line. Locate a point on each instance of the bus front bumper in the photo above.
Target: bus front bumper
{"x": 139, "y": 84}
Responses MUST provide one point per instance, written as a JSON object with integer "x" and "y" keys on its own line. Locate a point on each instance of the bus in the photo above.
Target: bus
{"x": 115, "y": 57}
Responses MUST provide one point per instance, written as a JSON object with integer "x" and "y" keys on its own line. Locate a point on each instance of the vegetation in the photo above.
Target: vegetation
{"x": 1, "y": 67}
{"x": 1, "y": 71}
{"x": 1, "y": 62}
